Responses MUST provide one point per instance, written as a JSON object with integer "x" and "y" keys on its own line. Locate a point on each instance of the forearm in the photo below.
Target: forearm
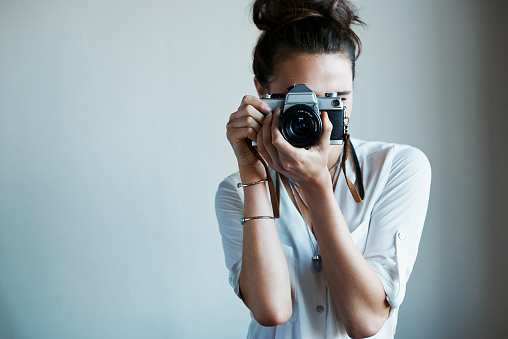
{"x": 264, "y": 278}
{"x": 355, "y": 287}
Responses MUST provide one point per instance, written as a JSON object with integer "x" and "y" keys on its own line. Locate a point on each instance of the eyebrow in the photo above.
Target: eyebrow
{"x": 338, "y": 93}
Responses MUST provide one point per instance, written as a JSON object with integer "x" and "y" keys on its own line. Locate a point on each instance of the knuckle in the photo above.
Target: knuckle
{"x": 246, "y": 99}
{"x": 249, "y": 121}
{"x": 230, "y": 136}
{"x": 286, "y": 165}
{"x": 297, "y": 159}
{"x": 251, "y": 111}
{"x": 329, "y": 127}
{"x": 277, "y": 140}
{"x": 252, "y": 133}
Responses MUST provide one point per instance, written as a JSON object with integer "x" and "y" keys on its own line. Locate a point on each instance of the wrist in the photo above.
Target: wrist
{"x": 252, "y": 173}
{"x": 317, "y": 184}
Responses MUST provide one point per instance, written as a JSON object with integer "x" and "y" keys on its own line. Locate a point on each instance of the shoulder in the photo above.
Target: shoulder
{"x": 396, "y": 156}
{"x": 388, "y": 165}
{"x": 230, "y": 181}
{"x": 228, "y": 192}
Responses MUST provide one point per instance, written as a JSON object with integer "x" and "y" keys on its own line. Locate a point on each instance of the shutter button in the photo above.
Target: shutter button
{"x": 320, "y": 309}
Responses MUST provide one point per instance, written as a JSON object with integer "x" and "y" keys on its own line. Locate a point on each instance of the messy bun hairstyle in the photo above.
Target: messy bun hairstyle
{"x": 299, "y": 26}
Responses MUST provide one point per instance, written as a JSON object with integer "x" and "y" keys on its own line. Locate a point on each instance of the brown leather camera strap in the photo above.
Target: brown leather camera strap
{"x": 274, "y": 189}
{"x": 358, "y": 195}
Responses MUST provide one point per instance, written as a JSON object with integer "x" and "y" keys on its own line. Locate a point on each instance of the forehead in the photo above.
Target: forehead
{"x": 321, "y": 72}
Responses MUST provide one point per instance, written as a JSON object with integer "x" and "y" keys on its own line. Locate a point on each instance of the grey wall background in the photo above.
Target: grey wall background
{"x": 112, "y": 143}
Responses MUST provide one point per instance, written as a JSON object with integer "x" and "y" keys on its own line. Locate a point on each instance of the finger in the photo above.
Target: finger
{"x": 324, "y": 139}
{"x": 255, "y": 113}
{"x": 238, "y": 135}
{"x": 262, "y": 150}
{"x": 248, "y": 111}
{"x": 245, "y": 121}
{"x": 278, "y": 140}
{"x": 268, "y": 127}
{"x": 255, "y": 102}
{"x": 265, "y": 141}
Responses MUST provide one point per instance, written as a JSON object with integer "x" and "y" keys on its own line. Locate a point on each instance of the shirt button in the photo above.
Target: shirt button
{"x": 401, "y": 235}
{"x": 320, "y": 309}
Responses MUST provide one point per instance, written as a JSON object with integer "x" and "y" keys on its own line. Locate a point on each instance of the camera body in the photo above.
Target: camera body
{"x": 300, "y": 121}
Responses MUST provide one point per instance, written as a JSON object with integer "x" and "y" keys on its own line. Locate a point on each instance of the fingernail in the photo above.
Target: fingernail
{"x": 277, "y": 110}
{"x": 268, "y": 109}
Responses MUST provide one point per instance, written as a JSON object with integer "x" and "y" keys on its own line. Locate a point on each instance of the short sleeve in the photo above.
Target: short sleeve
{"x": 229, "y": 210}
{"x": 396, "y": 221}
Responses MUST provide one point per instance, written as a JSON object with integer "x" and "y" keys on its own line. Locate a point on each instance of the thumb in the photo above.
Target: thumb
{"x": 324, "y": 139}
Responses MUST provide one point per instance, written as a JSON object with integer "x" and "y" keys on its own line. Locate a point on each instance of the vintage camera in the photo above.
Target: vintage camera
{"x": 300, "y": 121}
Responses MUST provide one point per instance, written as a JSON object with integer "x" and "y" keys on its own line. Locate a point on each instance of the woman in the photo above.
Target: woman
{"x": 330, "y": 266}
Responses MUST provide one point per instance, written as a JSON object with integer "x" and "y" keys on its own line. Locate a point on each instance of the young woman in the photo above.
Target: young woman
{"x": 333, "y": 265}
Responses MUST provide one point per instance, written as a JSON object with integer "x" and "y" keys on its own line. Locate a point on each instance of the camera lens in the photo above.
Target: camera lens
{"x": 301, "y": 125}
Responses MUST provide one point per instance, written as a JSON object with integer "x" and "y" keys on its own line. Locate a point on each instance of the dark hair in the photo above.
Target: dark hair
{"x": 299, "y": 26}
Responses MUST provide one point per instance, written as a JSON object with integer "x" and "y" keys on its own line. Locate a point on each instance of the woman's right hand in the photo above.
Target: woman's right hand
{"x": 245, "y": 124}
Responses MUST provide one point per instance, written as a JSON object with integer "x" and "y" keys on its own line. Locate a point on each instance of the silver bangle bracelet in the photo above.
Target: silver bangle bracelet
{"x": 242, "y": 220}
{"x": 239, "y": 185}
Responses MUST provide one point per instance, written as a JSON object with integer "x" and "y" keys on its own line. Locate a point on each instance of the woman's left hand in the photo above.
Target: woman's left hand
{"x": 302, "y": 165}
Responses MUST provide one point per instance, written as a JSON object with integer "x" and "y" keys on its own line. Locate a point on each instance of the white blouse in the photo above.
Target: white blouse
{"x": 386, "y": 227}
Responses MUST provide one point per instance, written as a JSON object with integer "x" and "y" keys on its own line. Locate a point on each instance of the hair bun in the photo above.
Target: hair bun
{"x": 302, "y": 26}
{"x": 273, "y": 14}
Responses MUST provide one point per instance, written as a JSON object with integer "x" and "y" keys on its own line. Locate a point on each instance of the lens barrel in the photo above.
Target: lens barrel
{"x": 301, "y": 125}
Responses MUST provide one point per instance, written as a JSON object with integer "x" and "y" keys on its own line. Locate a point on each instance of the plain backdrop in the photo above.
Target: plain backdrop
{"x": 112, "y": 144}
